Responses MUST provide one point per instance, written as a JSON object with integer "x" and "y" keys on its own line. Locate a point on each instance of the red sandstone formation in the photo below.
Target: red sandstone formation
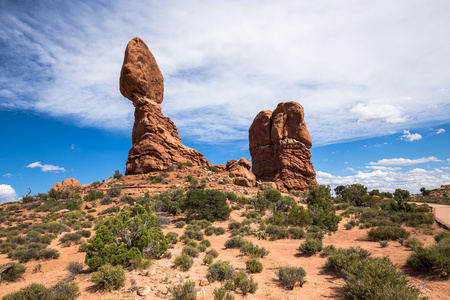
{"x": 241, "y": 171}
{"x": 66, "y": 182}
{"x": 156, "y": 143}
{"x": 279, "y": 146}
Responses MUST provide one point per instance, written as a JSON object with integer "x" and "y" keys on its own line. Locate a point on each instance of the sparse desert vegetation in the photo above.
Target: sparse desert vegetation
{"x": 220, "y": 242}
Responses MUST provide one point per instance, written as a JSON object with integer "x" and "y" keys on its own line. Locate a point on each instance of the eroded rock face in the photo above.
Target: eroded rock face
{"x": 156, "y": 143}
{"x": 241, "y": 170}
{"x": 279, "y": 146}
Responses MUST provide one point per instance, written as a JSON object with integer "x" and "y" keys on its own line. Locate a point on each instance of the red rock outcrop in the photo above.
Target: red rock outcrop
{"x": 156, "y": 143}
{"x": 66, "y": 182}
{"x": 241, "y": 171}
{"x": 279, "y": 146}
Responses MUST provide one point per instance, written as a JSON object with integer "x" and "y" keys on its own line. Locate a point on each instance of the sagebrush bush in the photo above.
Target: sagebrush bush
{"x": 65, "y": 291}
{"x": 109, "y": 277}
{"x": 341, "y": 258}
{"x": 185, "y": 291}
{"x": 214, "y": 253}
{"x": 14, "y": 273}
{"x": 184, "y": 261}
{"x": 296, "y": 233}
{"x": 376, "y": 278}
{"x": 290, "y": 276}
{"x": 191, "y": 234}
{"x": 254, "y": 266}
{"x": 222, "y": 294}
{"x": 72, "y": 237}
{"x": 207, "y": 243}
{"x": 413, "y": 243}
{"x": 221, "y": 271}
{"x": 432, "y": 259}
{"x": 74, "y": 268}
{"x": 384, "y": 233}
{"x": 253, "y": 251}
{"x": 244, "y": 283}
{"x": 441, "y": 236}
{"x": 191, "y": 251}
{"x": 172, "y": 237}
{"x": 311, "y": 246}
{"x": 235, "y": 242}
{"x": 180, "y": 224}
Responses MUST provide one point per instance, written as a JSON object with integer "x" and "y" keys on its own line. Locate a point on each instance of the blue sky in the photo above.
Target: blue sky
{"x": 372, "y": 76}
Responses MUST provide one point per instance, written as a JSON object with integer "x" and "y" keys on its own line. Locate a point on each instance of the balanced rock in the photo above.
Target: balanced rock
{"x": 279, "y": 146}
{"x": 156, "y": 143}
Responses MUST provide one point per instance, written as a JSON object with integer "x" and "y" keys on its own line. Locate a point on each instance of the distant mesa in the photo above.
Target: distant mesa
{"x": 279, "y": 146}
{"x": 156, "y": 143}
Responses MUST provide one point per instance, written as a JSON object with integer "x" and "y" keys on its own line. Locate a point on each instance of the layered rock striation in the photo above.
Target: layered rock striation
{"x": 279, "y": 146}
{"x": 156, "y": 143}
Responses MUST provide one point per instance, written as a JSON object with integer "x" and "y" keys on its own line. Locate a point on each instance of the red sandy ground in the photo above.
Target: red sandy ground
{"x": 161, "y": 275}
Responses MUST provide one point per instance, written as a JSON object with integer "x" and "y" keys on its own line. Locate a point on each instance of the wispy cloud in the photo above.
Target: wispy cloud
{"x": 404, "y": 161}
{"x": 440, "y": 130}
{"x": 387, "y": 180}
{"x": 8, "y": 175}
{"x": 410, "y": 137}
{"x": 7, "y": 193}
{"x": 224, "y": 58}
{"x": 46, "y": 168}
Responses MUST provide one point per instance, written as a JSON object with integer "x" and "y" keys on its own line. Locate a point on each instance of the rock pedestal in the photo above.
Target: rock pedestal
{"x": 279, "y": 146}
{"x": 156, "y": 143}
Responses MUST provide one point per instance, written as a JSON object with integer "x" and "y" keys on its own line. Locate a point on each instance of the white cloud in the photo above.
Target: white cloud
{"x": 72, "y": 147}
{"x": 379, "y": 112}
{"x": 440, "y": 130}
{"x": 223, "y": 62}
{"x": 7, "y": 193}
{"x": 46, "y": 168}
{"x": 410, "y": 136}
{"x": 404, "y": 161}
{"x": 387, "y": 180}
{"x": 7, "y": 175}
{"x": 384, "y": 168}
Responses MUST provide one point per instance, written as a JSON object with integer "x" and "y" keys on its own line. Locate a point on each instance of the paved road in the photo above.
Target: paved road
{"x": 441, "y": 213}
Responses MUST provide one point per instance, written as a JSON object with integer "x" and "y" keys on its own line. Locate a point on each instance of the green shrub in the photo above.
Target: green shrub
{"x": 14, "y": 273}
{"x": 73, "y": 237}
{"x": 277, "y": 232}
{"x": 245, "y": 284}
{"x": 235, "y": 242}
{"x": 384, "y": 233}
{"x": 133, "y": 232}
{"x": 74, "y": 268}
{"x": 441, "y": 236}
{"x": 93, "y": 195}
{"x": 34, "y": 291}
{"x": 221, "y": 271}
{"x": 184, "y": 261}
{"x": 117, "y": 175}
{"x": 296, "y": 233}
{"x": 254, "y": 266}
{"x": 65, "y": 291}
{"x": 207, "y": 243}
{"x": 413, "y": 243}
{"x": 328, "y": 250}
{"x": 191, "y": 243}
{"x": 172, "y": 237}
{"x": 234, "y": 225}
{"x": 180, "y": 224}
{"x": 202, "y": 248}
{"x": 214, "y": 230}
{"x": 106, "y": 201}
{"x": 208, "y": 259}
{"x": 109, "y": 277}
{"x": 289, "y": 276}
{"x": 210, "y": 205}
{"x": 311, "y": 246}
{"x": 191, "y": 251}
{"x": 185, "y": 291}
{"x": 253, "y": 251}
{"x": 214, "y": 253}
{"x": 376, "y": 278}
{"x": 340, "y": 259}
{"x": 432, "y": 259}
{"x": 222, "y": 294}
{"x": 113, "y": 192}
